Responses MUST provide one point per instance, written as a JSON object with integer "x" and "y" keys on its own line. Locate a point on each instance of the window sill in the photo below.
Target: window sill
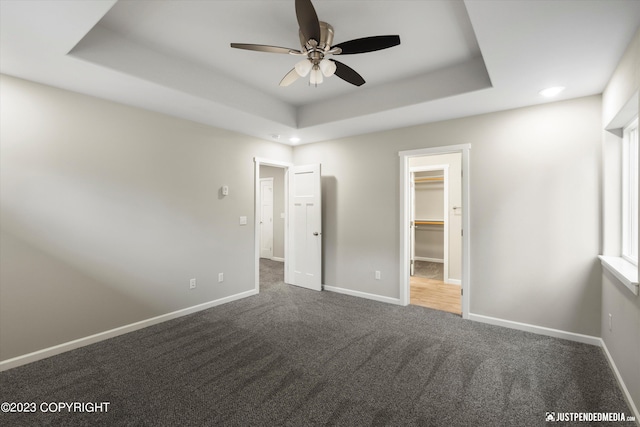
{"x": 623, "y": 270}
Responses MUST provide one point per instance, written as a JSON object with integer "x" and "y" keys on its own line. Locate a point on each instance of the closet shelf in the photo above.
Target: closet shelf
{"x": 429, "y": 222}
{"x": 429, "y": 179}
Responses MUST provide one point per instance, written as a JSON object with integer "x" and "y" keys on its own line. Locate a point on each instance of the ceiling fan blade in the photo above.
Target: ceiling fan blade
{"x": 308, "y": 20}
{"x": 348, "y": 74}
{"x": 264, "y": 48}
{"x": 368, "y": 44}
{"x": 291, "y": 77}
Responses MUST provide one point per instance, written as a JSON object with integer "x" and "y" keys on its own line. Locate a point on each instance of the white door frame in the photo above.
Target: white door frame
{"x": 412, "y": 225}
{"x": 278, "y": 164}
{"x": 445, "y": 211}
{"x": 405, "y": 229}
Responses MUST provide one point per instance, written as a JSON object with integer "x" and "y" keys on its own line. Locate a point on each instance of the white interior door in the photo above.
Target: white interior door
{"x": 305, "y": 227}
{"x": 266, "y": 218}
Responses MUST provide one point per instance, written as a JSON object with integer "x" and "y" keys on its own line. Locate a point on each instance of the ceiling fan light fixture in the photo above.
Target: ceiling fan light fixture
{"x": 316, "y": 76}
{"x": 327, "y": 67}
{"x": 303, "y": 67}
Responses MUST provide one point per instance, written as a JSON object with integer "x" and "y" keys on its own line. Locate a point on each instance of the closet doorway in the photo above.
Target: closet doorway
{"x": 431, "y": 217}
{"x": 434, "y": 214}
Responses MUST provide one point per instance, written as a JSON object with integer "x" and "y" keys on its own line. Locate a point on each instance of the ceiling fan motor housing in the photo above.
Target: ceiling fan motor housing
{"x": 326, "y": 38}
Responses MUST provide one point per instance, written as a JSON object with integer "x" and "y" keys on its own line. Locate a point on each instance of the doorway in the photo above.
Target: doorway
{"x": 435, "y": 203}
{"x": 267, "y": 204}
{"x": 272, "y": 212}
{"x": 298, "y": 213}
{"x": 271, "y": 217}
{"x": 434, "y": 233}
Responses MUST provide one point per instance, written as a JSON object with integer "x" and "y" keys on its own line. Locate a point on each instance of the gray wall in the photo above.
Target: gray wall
{"x": 535, "y": 216}
{"x": 623, "y": 340}
{"x": 107, "y": 211}
{"x": 278, "y": 207}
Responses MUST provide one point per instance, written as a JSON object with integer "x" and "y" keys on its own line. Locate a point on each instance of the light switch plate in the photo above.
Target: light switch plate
{"x": 243, "y": 220}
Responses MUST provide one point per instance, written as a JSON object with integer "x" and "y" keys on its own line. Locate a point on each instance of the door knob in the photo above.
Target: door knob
{"x": 315, "y": 233}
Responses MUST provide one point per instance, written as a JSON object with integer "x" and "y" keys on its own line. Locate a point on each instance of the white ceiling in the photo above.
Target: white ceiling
{"x": 456, "y": 58}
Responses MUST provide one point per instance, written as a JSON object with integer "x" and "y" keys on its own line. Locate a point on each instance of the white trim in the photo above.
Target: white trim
{"x": 259, "y": 161}
{"x": 405, "y": 189}
{"x": 630, "y": 191}
{"x": 623, "y": 270}
{"x": 365, "y": 295}
{"x": 268, "y": 162}
{"x": 101, "y": 336}
{"x": 454, "y": 282}
{"x": 624, "y": 115}
{"x": 623, "y": 386}
{"x": 275, "y": 258}
{"x": 540, "y": 330}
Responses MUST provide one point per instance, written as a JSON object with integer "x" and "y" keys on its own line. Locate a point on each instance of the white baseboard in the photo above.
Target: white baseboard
{"x": 359, "y": 294}
{"x": 275, "y": 258}
{"x": 541, "y": 330}
{"x": 422, "y": 258}
{"x": 625, "y": 390}
{"x": 101, "y": 336}
{"x": 454, "y": 282}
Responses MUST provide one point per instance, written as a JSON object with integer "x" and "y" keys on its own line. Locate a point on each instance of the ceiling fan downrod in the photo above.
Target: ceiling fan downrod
{"x": 316, "y": 52}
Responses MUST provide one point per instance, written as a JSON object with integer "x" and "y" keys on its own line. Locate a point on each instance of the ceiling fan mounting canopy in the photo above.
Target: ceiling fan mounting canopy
{"x": 316, "y": 40}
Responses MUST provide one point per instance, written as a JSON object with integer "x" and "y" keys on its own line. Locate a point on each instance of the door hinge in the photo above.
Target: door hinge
{"x": 462, "y": 232}
{"x": 461, "y": 292}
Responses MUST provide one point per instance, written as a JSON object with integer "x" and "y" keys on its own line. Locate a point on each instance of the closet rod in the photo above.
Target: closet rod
{"x": 429, "y": 222}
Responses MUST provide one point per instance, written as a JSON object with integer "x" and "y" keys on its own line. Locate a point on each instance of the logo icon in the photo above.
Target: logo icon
{"x": 550, "y": 417}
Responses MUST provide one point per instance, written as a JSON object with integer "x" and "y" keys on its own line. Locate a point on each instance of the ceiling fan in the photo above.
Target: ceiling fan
{"x": 316, "y": 39}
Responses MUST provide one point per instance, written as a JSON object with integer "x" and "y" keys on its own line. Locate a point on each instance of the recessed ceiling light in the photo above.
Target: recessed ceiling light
{"x": 294, "y": 139}
{"x": 551, "y": 91}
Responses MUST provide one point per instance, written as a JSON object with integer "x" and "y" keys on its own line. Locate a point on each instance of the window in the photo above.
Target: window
{"x": 630, "y": 192}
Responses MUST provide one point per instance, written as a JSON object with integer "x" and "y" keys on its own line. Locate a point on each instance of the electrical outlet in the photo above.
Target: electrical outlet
{"x": 220, "y": 277}
{"x": 377, "y": 275}
{"x": 610, "y": 321}
{"x": 192, "y": 284}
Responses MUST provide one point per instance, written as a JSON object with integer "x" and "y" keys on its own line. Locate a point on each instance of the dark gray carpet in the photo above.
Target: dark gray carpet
{"x": 429, "y": 270}
{"x": 295, "y": 357}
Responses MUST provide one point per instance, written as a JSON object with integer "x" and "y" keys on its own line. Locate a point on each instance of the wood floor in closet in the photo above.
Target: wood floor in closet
{"x": 435, "y": 294}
